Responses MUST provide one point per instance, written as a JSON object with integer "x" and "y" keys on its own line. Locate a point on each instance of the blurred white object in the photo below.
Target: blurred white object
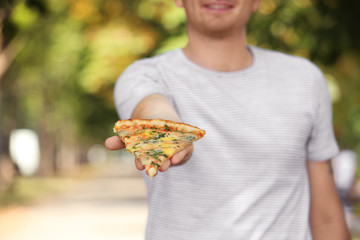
{"x": 25, "y": 150}
{"x": 96, "y": 154}
{"x": 344, "y": 166}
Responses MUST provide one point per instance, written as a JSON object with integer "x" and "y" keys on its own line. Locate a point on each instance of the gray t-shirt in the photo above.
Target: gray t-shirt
{"x": 247, "y": 178}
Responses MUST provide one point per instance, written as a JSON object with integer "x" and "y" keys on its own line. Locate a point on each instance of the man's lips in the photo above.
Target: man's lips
{"x": 218, "y": 6}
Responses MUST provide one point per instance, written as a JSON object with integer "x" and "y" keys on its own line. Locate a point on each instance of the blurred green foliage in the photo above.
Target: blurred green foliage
{"x": 71, "y": 52}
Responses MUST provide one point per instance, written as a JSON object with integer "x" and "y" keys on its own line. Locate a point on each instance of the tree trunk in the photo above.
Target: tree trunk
{"x": 7, "y": 172}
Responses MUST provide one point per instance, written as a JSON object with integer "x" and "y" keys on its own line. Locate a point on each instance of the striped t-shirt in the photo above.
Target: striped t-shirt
{"x": 247, "y": 178}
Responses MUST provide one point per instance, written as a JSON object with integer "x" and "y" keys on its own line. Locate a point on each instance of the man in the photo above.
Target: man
{"x": 262, "y": 169}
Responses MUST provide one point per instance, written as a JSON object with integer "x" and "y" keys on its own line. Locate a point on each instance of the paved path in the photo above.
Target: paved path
{"x": 108, "y": 207}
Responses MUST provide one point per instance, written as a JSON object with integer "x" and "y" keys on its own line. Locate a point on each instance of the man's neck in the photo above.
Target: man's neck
{"x": 226, "y": 54}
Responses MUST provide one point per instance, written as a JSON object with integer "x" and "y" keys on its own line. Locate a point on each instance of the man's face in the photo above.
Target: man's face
{"x": 217, "y": 16}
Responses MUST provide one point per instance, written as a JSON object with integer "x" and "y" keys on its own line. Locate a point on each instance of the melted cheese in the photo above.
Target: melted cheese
{"x": 149, "y": 133}
{"x": 170, "y": 151}
{"x": 168, "y": 139}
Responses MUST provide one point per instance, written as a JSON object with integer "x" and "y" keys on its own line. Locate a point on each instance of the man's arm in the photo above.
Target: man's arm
{"x": 326, "y": 213}
{"x": 153, "y": 107}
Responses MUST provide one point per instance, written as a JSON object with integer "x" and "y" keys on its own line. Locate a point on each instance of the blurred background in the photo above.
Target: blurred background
{"x": 59, "y": 61}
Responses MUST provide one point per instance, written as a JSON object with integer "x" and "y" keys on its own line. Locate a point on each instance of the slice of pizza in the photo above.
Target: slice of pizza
{"x": 154, "y": 141}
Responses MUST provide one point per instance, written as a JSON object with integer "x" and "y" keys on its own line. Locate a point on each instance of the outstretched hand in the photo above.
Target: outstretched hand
{"x": 114, "y": 143}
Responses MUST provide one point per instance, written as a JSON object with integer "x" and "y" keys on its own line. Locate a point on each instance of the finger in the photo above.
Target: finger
{"x": 139, "y": 165}
{"x": 114, "y": 143}
{"x": 182, "y": 156}
{"x": 165, "y": 166}
{"x": 178, "y": 157}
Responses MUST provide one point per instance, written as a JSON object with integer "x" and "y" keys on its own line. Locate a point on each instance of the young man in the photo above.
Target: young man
{"x": 262, "y": 169}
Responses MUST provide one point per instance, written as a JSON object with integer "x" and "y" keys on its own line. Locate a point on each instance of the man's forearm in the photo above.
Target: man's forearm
{"x": 155, "y": 106}
{"x": 326, "y": 213}
{"x": 332, "y": 230}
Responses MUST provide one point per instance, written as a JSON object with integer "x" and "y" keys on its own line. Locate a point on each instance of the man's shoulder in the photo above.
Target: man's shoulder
{"x": 153, "y": 62}
{"x": 284, "y": 60}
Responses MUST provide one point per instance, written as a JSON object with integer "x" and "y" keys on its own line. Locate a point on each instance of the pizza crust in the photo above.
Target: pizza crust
{"x": 158, "y": 124}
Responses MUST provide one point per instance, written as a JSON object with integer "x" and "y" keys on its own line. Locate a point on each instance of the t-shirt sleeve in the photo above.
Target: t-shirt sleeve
{"x": 322, "y": 144}
{"x": 138, "y": 81}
